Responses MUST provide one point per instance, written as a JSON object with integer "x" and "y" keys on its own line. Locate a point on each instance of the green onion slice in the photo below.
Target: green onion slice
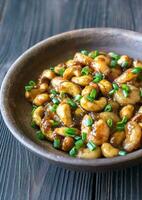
{"x": 84, "y": 136}
{"x": 93, "y": 54}
{"x": 57, "y": 143}
{"x": 85, "y": 52}
{"x": 70, "y": 132}
{"x": 110, "y": 123}
{"x": 91, "y": 146}
{"x": 72, "y": 103}
{"x": 98, "y": 77}
{"x": 79, "y": 144}
{"x": 137, "y": 70}
{"x": 122, "y": 153}
{"x": 108, "y": 108}
{"x": 114, "y": 55}
{"x": 73, "y": 152}
{"x": 40, "y": 135}
{"x": 85, "y": 70}
{"x": 88, "y": 122}
{"x": 77, "y": 97}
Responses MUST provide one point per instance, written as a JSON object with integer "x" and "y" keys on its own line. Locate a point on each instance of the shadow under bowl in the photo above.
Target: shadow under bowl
{"x": 16, "y": 111}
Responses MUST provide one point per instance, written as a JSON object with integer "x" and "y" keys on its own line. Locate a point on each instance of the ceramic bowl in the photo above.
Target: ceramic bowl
{"x": 16, "y": 111}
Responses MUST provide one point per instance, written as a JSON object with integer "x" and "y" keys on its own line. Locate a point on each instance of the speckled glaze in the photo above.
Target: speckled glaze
{"x": 16, "y": 111}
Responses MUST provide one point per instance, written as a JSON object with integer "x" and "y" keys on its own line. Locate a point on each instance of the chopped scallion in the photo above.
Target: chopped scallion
{"x": 124, "y": 64}
{"x": 55, "y": 100}
{"x": 28, "y": 88}
{"x": 93, "y": 54}
{"x": 70, "y": 132}
{"x": 108, "y": 108}
{"x": 52, "y": 69}
{"x": 85, "y": 52}
{"x": 88, "y": 121}
{"x": 40, "y": 135}
{"x": 79, "y": 144}
{"x": 84, "y": 136}
{"x": 77, "y": 97}
{"x": 53, "y": 92}
{"x": 85, "y": 70}
{"x": 55, "y": 123}
{"x": 72, "y": 103}
{"x": 57, "y": 143}
{"x": 73, "y": 152}
{"x": 113, "y": 63}
{"x": 137, "y": 70}
{"x": 53, "y": 108}
{"x": 125, "y": 89}
{"x": 110, "y": 123}
{"x": 93, "y": 93}
{"x": 97, "y": 78}
{"x": 61, "y": 71}
{"x": 33, "y": 124}
{"x": 122, "y": 153}
{"x": 114, "y": 55}
{"x": 91, "y": 146}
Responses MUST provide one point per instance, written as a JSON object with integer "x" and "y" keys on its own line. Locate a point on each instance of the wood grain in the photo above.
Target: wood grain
{"x": 23, "y": 175}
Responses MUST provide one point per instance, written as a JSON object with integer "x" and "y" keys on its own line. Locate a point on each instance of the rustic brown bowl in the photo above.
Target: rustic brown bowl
{"x": 16, "y": 111}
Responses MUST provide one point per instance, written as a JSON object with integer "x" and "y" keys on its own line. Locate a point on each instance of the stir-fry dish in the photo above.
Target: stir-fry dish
{"x": 89, "y": 106}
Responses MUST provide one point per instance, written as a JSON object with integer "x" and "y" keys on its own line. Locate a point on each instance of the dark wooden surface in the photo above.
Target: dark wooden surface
{"x": 23, "y": 175}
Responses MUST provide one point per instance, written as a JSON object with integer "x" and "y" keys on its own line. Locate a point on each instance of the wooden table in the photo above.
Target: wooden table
{"x": 24, "y": 175}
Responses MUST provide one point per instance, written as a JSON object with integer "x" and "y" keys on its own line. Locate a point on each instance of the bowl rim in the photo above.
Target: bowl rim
{"x": 17, "y": 133}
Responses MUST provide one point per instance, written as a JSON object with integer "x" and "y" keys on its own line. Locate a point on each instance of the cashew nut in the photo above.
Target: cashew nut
{"x": 79, "y": 112}
{"x": 137, "y": 63}
{"x": 100, "y": 64}
{"x": 109, "y": 115}
{"x": 87, "y": 90}
{"x": 43, "y": 87}
{"x": 72, "y": 71}
{"x": 86, "y": 153}
{"x": 40, "y": 99}
{"x": 109, "y": 151}
{"x": 82, "y": 80}
{"x": 30, "y": 95}
{"x": 64, "y": 113}
{"x": 70, "y": 88}
{"x": 71, "y": 63}
{"x": 82, "y": 59}
{"x": 117, "y": 138}
{"x": 127, "y": 111}
{"x": 45, "y": 127}
{"x": 114, "y": 73}
{"x": 46, "y": 75}
{"x": 67, "y": 143}
{"x": 37, "y": 115}
{"x": 95, "y": 106}
{"x": 105, "y": 86}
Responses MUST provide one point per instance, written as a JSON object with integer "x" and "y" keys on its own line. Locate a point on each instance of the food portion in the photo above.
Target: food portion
{"x": 89, "y": 106}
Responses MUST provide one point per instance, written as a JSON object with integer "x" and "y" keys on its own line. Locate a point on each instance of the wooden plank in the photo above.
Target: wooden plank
{"x": 23, "y": 175}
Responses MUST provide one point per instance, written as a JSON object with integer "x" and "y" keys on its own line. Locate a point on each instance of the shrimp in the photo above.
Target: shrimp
{"x": 133, "y": 136}
{"x": 100, "y": 132}
{"x": 133, "y": 98}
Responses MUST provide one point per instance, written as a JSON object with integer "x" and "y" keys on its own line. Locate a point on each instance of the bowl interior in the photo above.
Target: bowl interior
{"x": 17, "y": 111}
